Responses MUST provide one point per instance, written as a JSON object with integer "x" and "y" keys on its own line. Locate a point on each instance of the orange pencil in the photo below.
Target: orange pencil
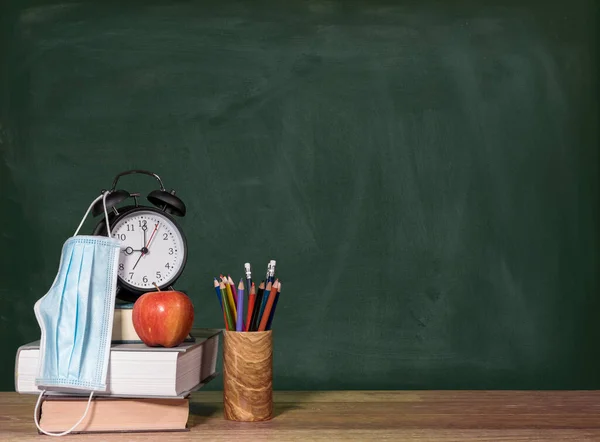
{"x": 265, "y": 316}
{"x": 270, "y": 323}
{"x": 263, "y": 303}
{"x": 251, "y": 301}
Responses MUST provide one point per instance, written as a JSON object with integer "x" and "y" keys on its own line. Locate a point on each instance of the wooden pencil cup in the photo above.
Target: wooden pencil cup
{"x": 248, "y": 376}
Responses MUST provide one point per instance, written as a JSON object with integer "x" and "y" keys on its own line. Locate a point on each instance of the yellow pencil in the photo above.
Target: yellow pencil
{"x": 231, "y": 301}
{"x": 230, "y": 325}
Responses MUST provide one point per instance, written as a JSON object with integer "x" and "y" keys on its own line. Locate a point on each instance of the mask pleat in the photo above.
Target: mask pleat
{"x": 56, "y": 298}
{"x": 101, "y": 315}
{"x": 76, "y": 316}
{"x": 50, "y": 306}
{"x": 68, "y": 312}
{"x": 82, "y": 311}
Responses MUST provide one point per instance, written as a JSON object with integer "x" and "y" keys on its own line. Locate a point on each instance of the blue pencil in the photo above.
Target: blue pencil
{"x": 263, "y": 303}
{"x": 274, "y": 307}
{"x": 240, "y": 306}
{"x": 218, "y": 290}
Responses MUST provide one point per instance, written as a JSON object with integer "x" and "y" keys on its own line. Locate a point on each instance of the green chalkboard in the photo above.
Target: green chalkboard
{"x": 424, "y": 173}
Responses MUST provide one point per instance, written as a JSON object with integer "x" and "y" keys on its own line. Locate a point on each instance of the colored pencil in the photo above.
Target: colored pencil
{"x": 231, "y": 299}
{"x": 263, "y": 303}
{"x": 248, "y": 271}
{"x": 225, "y": 281}
{"x": 256, "y": 309}
{"x": 233, "y": 290}
{"x": 218, "y": 293}
{"x": 274, "y": 307}
{"x": 229, "y": 321}
{"x": 235, "y": 299}
{"x": 240, "y": 306}
{"x": 218, "y": 290}
{"x": 269, "y": 306}
{"x": 251, "y": 301}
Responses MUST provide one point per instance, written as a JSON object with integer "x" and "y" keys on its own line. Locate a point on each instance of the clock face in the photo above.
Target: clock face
{"x": 152, "y": 249}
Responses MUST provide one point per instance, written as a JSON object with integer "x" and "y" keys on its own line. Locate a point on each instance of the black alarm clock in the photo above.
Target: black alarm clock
{"x": 153, "y": 246}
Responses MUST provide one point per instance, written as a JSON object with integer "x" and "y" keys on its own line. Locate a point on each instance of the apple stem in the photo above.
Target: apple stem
{"x": 155, "y": 285}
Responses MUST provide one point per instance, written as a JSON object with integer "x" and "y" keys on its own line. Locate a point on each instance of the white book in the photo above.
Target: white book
{"x": 136, "y": 370}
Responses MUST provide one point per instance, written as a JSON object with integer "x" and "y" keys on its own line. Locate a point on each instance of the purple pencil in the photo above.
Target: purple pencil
{"x": 240, "y": 306}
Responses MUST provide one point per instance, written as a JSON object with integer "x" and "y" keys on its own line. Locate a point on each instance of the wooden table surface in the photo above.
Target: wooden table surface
{"x": 367, "y": 415}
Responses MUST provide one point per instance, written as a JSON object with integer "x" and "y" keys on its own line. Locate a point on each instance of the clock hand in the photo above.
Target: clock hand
{"x": 144, "y": 228}
{"x": 130, "y": 250}
{"x": 151, "y": 236}
{"x": 145, "y": 249}
{"x": 136, "y": 263}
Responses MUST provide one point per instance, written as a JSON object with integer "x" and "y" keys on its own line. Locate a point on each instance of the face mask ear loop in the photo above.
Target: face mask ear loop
{"x": 106, "y": 212}
{"x": 36, "y": 412}
{"x": 103, "y": 198}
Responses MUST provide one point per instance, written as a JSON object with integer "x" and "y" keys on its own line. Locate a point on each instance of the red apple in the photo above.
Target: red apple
{"x": 163, "y": 318}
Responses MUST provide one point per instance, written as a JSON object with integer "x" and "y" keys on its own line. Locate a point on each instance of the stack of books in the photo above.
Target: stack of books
{"x": 148, "y": 388}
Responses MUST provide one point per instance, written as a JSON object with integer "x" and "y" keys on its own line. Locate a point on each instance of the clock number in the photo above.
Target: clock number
{"x": 158, "y": 275}
{"x": 167, "y": 266}
{"x": 170, "y": 250}
{"x": 142, "y": 223}
{"x": 121, "y": 236}
{"x": 130, "y": 227}
{"x": 131, "y": 274}
{"x": 121, "y": 266}
{"x": 165, "y": 236}
{"x": 145, "y": 279}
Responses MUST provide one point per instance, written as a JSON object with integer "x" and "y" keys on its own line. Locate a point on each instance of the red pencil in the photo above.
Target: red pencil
{"x": 265, "y": 316}
{"x": 251, "y": 301}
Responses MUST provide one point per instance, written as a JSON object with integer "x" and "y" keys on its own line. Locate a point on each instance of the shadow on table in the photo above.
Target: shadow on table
{"x": 285, "y": 401}
{"x": 282, "y": 404}
{"x": 200, "y": 412}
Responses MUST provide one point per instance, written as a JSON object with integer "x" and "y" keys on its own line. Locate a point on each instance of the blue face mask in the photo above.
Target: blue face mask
{"x": 76, "y": 316}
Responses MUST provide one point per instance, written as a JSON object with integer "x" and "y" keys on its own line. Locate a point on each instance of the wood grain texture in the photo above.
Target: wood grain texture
{"x": 248, "y": 376}
{"x": 436, "y": 157}
{"x": 368, "y": 415}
